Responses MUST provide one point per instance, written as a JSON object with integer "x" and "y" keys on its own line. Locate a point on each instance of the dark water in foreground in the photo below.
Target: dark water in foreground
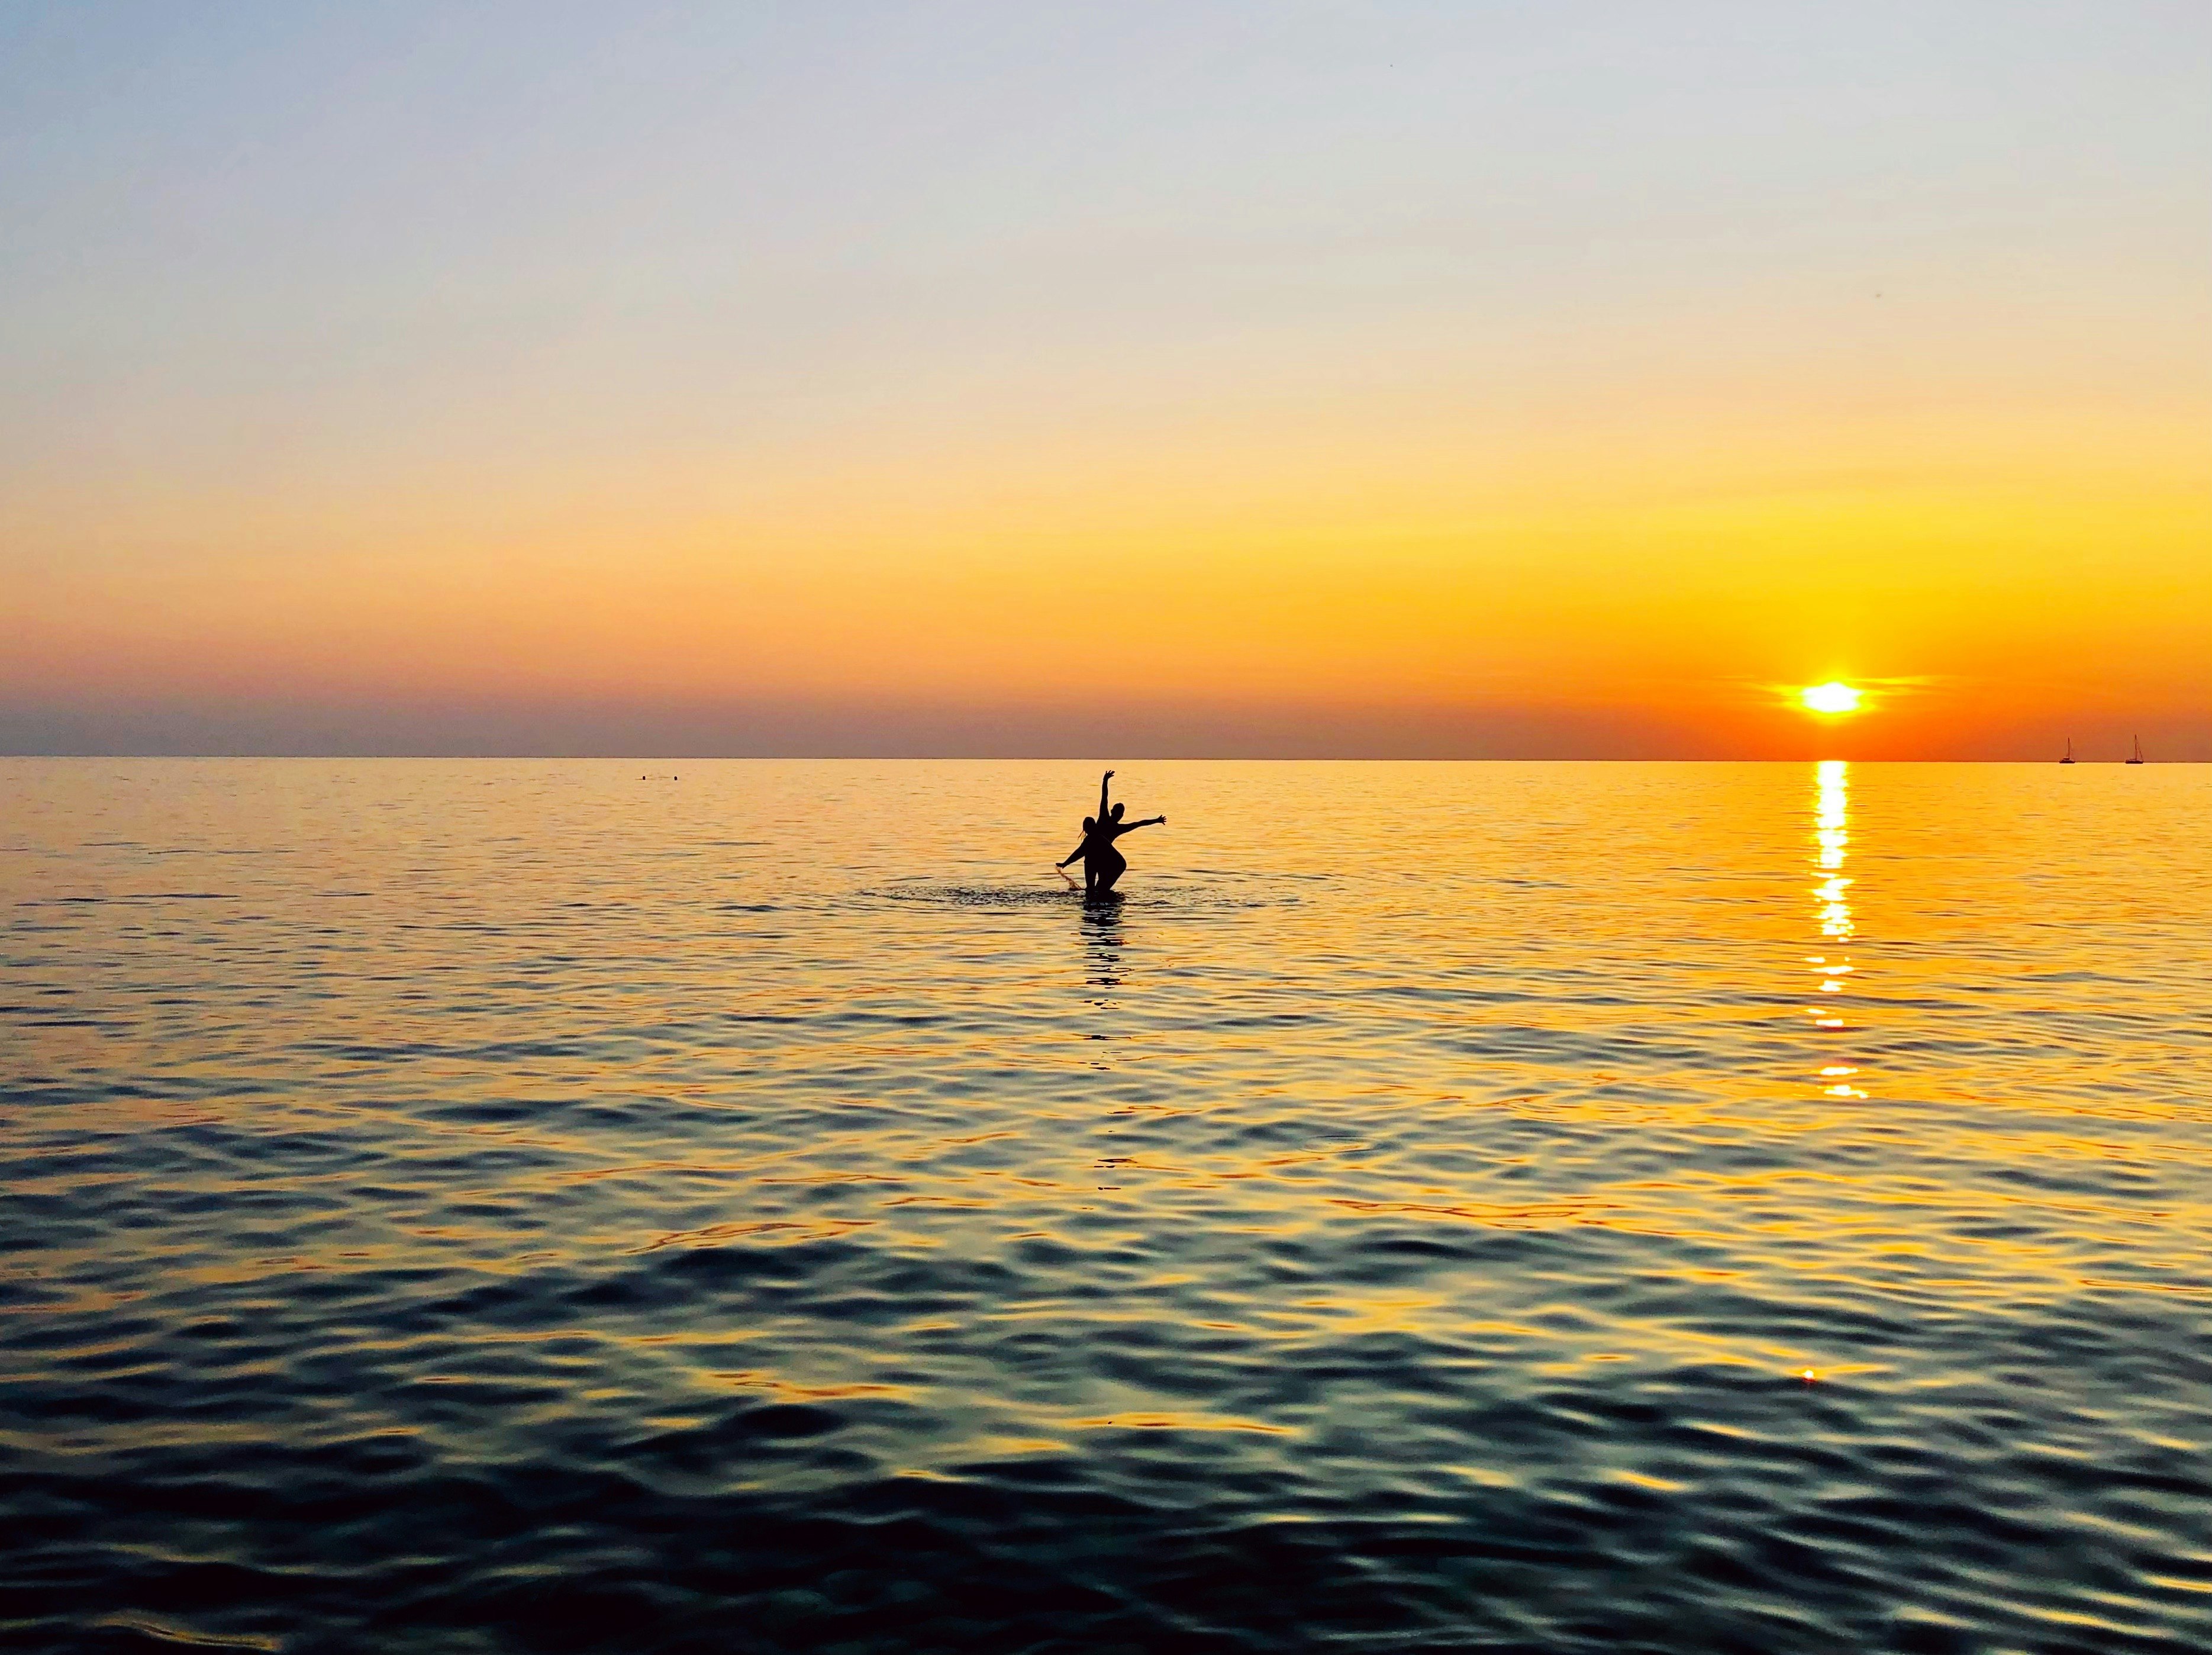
{"x": 516, "y": 1206}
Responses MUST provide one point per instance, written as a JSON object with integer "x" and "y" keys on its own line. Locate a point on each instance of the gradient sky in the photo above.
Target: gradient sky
{"x": 1480, "y": 379}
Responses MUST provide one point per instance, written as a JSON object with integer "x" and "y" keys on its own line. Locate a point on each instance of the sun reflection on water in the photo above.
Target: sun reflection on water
{"x": 1832, "y": 836}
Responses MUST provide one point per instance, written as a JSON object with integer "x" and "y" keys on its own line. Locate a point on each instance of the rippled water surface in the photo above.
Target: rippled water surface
{"x": 502, "y": 1206}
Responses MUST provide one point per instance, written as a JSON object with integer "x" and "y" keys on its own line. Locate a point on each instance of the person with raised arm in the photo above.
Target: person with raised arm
{"x": 1101, "y": 864}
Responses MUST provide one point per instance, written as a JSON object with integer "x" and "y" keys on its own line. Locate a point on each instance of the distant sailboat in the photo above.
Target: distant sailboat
{"x": 2138, "y": 757}
{"x": 2069, "y": 751}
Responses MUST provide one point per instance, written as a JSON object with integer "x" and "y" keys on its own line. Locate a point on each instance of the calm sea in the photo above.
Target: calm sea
{"x": 1567, "y": 1207}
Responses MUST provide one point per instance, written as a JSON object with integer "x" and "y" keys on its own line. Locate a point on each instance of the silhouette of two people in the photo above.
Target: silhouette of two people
{"x": 1101, "y": 864}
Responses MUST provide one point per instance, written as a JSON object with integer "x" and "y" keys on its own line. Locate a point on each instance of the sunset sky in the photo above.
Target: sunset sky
{"x": 1479, "y": 379}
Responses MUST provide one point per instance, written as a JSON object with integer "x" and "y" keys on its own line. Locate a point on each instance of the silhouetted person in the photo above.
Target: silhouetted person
{"x": 1101, "y": 864}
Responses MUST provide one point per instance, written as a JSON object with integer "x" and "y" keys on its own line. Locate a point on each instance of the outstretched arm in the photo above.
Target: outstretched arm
{"x": 1147, "y": 822}
{"x": 1103, "y": 781}
{"x": 1073, "y": 853}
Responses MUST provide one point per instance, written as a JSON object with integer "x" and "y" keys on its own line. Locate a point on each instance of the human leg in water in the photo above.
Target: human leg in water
{"x": 1111, "y": 866}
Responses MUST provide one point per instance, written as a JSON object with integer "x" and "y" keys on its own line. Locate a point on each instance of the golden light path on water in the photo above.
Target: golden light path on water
{"x": 1563, "y": 1207}
{"x": 1832, "y": 835}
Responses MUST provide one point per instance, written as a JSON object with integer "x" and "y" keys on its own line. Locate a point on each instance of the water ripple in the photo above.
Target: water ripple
{"x": 1565, "y": 1207}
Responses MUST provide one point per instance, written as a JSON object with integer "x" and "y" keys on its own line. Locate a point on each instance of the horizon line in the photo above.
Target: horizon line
{"x": 1065, "y": 757}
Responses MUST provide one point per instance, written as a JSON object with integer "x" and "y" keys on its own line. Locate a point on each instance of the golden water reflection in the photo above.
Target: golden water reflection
{"x": 1831, "y": 838}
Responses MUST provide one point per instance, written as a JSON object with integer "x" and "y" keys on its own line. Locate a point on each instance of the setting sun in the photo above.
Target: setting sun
{"x": 1830, "y": 698}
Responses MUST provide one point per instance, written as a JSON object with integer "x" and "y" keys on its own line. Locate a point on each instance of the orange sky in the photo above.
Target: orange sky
{"x": 1254, "y": 417}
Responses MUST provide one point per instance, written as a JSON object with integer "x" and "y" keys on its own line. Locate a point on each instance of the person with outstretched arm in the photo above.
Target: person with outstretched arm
{"x": 1101, "y": 863}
